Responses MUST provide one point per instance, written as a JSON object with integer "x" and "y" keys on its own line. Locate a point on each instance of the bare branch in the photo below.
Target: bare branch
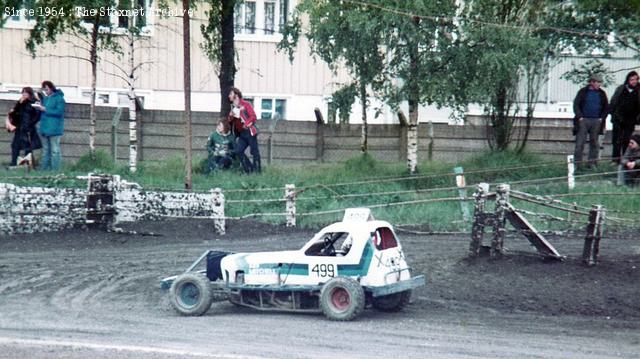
{"x": 123, "y": 78}
{"x": 116, "y": 65}
{"x": 139, "y": 65}
{"x": 65, "y": 57}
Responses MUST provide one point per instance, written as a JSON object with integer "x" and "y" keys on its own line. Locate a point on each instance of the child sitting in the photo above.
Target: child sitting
{"x": 220, "y": 148}
{"x": 631, "y": 161}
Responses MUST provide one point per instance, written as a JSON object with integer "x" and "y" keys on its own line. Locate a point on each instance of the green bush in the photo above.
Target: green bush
{"x": 100, "y": 161}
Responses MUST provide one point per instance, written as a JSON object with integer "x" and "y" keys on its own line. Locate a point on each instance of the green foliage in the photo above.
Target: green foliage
{"x": 365, "y": 163}
{"x": 341, "y": 102}
{"x": 580, "y": 75}
{"x": 502, "y": 45}
{"x": 99, "y": 161}
{"x": 50, "y": 28}
{"x": 212, "y": 29}
{"x": 595, "y": 23}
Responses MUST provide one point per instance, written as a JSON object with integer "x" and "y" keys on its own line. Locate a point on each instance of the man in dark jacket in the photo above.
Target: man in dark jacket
{"x": 591, "y": 109}
{"x": 625, "y": 109}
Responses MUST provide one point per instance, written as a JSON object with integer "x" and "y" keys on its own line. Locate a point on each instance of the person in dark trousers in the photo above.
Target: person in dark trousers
{"x": 242, "y": 119}
{"x": 220, "y": 148}
{"x": 591, "y": 109}
{"x": 25, "y": 117}
{"x": 624, "y": 109}
{"x": 51, "y": 126}
{"x": 631, "y": 161}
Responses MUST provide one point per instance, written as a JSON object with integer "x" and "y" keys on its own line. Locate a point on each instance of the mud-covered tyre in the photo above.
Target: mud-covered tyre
{"x": 393, "y": 302}
{"x": 342, "y": 298}
{"x": 191, "y": 294}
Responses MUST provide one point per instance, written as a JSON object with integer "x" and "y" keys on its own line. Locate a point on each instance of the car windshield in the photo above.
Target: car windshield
{"x": 330, "y": 244}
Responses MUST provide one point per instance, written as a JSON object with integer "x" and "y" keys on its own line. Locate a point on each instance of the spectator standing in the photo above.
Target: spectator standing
{"x": 51, "y": 125}
{"x": 220, "y": 148}
{"x": 625, "y": 109}
{"x": 25, "y": 117}
{"x": 243, "y": 119}
{"x": 591, "y": 109}
{"x": 631, "y": 161}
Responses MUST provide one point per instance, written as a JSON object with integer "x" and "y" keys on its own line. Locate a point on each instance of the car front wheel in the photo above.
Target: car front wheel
{"x": 191, "y": 294}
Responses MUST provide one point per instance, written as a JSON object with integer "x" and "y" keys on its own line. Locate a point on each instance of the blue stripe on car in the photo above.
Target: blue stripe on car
{"x": 360, "y": 269}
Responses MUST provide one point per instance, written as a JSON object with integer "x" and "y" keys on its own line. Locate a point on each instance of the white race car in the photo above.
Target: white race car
{"x": 343, "y": 268}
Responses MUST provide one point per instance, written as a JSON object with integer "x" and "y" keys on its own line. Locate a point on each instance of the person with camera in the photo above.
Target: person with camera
{"x": 51, "y": 125}
{"x": 243, "y": 119}
{"x": 23, "y": 118}
{"x": 631, "y": 161}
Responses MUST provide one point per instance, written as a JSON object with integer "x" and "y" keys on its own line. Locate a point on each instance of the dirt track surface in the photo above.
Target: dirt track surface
{"x": 80, "y": 294}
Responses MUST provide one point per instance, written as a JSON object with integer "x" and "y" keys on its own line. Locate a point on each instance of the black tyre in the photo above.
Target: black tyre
{"x": 393, "y": 302}
{"x": 191, "y": 294}
{"x": 342, "y": 299}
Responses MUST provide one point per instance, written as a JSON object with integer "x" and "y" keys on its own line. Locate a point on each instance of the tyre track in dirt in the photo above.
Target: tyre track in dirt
{"x": 97, "y": 294}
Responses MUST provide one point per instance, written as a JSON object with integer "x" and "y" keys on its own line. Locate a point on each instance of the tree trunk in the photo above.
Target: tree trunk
{"x": 501, "y": 126}
{"x": 412, "y": 136}
{"x": 133, "y": 110}
{"x": 93, "y": 58}
{"x": 365, "y": 130}
{"x": 186, "y": 42}
{"x": 527, "y": 129}
{"x": 227, "y": 55}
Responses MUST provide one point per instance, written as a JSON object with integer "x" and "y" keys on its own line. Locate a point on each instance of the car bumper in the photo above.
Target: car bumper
{"x": 398, "y": 287}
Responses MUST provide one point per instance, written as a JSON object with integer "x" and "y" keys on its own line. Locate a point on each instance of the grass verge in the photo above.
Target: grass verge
{"x": 363, "y": 181}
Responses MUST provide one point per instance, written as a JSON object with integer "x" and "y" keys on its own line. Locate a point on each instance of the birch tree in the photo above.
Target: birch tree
{"x": 88, "y": 23}
{"x": 343, "y": 34}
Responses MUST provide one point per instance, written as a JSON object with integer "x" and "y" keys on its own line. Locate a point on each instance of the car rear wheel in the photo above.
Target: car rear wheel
{"x": 342, "y": 299}
{"x": 393, "y": 302}
{"x": 191, "y": 294}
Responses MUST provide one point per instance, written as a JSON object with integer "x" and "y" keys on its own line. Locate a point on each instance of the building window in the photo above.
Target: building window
{"x": 245, "y": 17}
{"x": 261, "y": 17}
{"x": 119, "y": 17}
{"x": 269, "y": 17}
{"x": 134, "y": 10}
{"x": 283, "y": 14}
{"x": 273, "y": 108}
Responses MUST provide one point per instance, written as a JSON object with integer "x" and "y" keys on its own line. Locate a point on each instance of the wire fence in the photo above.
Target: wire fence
{"x": 392, "y": 198}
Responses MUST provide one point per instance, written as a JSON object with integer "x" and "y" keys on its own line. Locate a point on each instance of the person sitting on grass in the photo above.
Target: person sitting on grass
{"x": 220, "y": 148}
{"x": 631, "y": 161}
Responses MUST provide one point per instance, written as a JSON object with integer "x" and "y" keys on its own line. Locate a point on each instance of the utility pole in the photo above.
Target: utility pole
{"x": 186, "y": 41}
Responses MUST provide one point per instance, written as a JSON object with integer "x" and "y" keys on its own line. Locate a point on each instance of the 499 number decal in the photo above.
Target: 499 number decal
{"x": 324, "y": 270}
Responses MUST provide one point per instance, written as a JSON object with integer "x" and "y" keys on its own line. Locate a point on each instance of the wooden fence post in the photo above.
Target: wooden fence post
{"x": 319, "y": 135}
{"x": 500, "y": 220}
{"x": 477, "y": 230}
{"x": 571, "y": 169}
{"x": 217, "y": 203}
{"x": 290, "y": 197}
{"x": 594, "y": 234}
{"x": 462, "y": 192}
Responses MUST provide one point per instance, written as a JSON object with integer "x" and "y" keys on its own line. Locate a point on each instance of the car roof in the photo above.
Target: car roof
{"x": 356, "y": 226}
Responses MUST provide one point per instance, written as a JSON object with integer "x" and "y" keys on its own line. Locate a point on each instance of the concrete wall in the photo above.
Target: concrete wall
{"x": 161, "y": 136}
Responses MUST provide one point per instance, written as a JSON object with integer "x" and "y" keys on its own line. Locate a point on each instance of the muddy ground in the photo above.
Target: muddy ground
{"x": 87, "y": 293}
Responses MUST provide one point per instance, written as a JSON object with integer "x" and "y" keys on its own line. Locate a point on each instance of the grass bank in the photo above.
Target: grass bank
{"x": 363, "y": 181}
